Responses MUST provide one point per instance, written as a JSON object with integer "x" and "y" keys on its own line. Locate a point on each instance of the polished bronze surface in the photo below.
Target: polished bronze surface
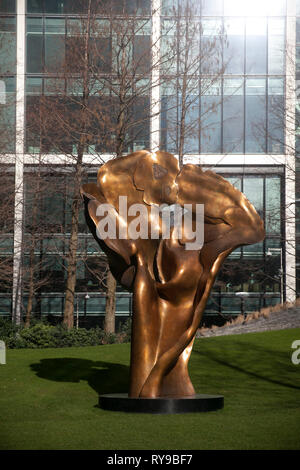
{"x": 170, "y": 284}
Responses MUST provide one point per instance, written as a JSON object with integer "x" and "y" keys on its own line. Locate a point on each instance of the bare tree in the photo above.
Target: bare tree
{"x": 97, "y": 104}
{"x": 195, "y": 50}
{"x": 278, "y": 136}
{"x": 7, "y": 190}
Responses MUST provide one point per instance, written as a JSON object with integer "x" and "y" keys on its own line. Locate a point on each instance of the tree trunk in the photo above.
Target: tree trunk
{"x": 72, "y": 255}
{"x": 31, "y": 288}
{"x": 109, "y": 323}
{"x": 32, "y": 268}
{"x": 72, "y": 258}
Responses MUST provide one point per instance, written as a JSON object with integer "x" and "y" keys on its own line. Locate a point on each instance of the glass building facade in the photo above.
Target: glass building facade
{"x": 236, "y": 92}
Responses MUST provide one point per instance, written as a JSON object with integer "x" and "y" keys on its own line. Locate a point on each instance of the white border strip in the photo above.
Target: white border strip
{"x": 155, "y": 94}
{"x": 19, "y": 163}
{"x": 290, "y": 169}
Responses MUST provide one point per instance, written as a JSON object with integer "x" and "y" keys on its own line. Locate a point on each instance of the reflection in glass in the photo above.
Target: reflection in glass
{"x": 276, "y": 46}
{"x": 212, "y": 7}
{"x": 8, "y": 6}
{"x": 233, "y": 116}
{"x": 254, "y": 191}
{"x": 54, "y": 44}
{"x": 168, "y": 123}
{"x": 210, "y": 118}
{"x": 255, "y": 115}
{"x": 34, "y": 43}
{"x": 273, "y": 206}
{"x": 7, "y": 45}
{"x": 7, "y": 114}
{"x": 256, "y": 46}
{"x": 234, "y": 45}
{"x": 276, "y": 111}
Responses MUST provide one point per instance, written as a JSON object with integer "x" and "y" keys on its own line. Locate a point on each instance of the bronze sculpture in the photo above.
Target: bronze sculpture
{"x": 170, "y": 284}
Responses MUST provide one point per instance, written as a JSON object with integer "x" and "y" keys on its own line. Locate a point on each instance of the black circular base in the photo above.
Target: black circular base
{"x": 161, "y": 405}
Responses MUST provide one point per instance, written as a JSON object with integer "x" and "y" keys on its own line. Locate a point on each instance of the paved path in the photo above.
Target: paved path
{"x": 276, "y": 321}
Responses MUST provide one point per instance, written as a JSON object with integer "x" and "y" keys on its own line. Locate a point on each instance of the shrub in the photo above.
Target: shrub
{"x": 44, "y": 335}
{"x": 8, "y": 332}
{"x": 126, "y": 331}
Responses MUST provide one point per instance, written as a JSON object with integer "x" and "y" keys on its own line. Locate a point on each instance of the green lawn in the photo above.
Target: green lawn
{"x": 48, "y": 398}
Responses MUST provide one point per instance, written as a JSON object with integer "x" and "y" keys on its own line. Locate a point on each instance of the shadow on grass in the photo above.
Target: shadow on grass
{"x": 256, "y": 361}
{"x": 103, "y": 377}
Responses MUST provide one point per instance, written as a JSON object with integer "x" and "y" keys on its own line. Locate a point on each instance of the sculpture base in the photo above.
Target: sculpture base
{"x": 161, "y": 405}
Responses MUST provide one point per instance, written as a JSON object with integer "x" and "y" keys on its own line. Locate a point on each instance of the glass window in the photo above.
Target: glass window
{"x": 185, "y": 8}
{"x": 237, "y": 183}
{"x": 298, "y": 59}
{"x": 95, "y": 305}
{"x": 7, "y": 45}
{"x": 256, "y": 46}
{"x": 100, "y": 47}
{"x": 7, "y": 6}
{"x": 34, "y": 45}
{"x": 92, "y": 246}
{"x": 231, "y": 305}
{"x": 276, "y": 7}
{"x": 51, "y": 305}
{"x": 212, "y": 7}
{"x": 140, "y": 132}
{"x": 211, "y": 27}
{"x": 122, "y": 304}
{"x": 252, "y": 304}
{"x": 32, "y": 127}
{"x": 168, "y": 7}
{"x": 273, "y": 265}
{"x": 7, "y": 24}
{"x": 168, "y": 47}
{"x": 7, "y": 114}
{"x": 2, "y": 92}
{"x": 210, "y": 117}
{"x": 54, "y": 86}
{"x": 273, "y": 205}
{"x": 234, "y": 30}
{"x": 168, "y": 123}
{"x": 190, "y": 118}
{"x": 142, "y": 47}
{"x": 34, "y": 86}
{"x": 233, "y": 116}
{"x": 55, "y": 26}
{"x": 276, "y": 46}
{"x": 276, "y": 111}
{"x": 54, "y": 44}
{"x": 255, "y": 115}
{"x": 298, "y": 30}
{"x": 235, "y": 8}
{"x": 211, "y": 46}
{"x": 35, "y": 6}
{"x": 5, "y": 306}
{"x": 137, "y": 7}
{"x": 254, "y": 7}
{"x": 53, "y": 201}
{"x": 254, "y": 191}
{"x": 56, "y": 6}
{"x": 189, "y": 48}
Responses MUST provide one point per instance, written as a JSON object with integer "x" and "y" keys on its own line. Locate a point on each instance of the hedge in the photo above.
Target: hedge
{"x": 44, "y": 335}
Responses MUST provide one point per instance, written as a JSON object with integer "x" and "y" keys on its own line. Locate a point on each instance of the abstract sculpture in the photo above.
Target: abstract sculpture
{"x": 170, "y": 284}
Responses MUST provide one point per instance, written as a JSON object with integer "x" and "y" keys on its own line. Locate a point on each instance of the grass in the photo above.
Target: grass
{"x": 48, "y": 398}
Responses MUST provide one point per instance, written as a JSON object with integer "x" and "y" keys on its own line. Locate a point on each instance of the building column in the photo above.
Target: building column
{"x": 19, "y": 163}
{"x": 155, "y": 95}
{"x": 290, "y": 168}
